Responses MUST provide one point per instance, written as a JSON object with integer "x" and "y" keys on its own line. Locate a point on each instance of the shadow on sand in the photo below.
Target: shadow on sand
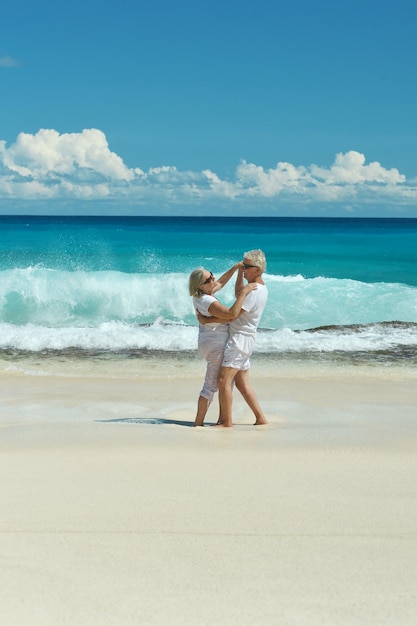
{"x": 149, "y": 421}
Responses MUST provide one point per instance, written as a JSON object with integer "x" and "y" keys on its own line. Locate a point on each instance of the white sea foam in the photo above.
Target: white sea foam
{"x": 46, "y": 309}
{"x": 160, "y": 336}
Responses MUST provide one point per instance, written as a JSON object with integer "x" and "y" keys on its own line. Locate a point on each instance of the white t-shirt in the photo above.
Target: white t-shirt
{"x": 202, "y": 305}
{"x": 242, "y": 330}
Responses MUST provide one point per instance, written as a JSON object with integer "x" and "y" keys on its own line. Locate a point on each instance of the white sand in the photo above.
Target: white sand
{"x": 115, "y": 512}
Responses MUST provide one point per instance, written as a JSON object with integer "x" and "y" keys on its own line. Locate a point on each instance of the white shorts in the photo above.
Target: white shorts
{"x": 233, "y": 357}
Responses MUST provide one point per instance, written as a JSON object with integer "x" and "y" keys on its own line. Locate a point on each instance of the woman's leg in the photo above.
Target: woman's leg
{"x": 213, "y": 355}
{"x": 202, "y": 408}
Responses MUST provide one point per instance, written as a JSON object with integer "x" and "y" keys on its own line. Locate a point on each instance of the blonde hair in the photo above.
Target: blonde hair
{"x": 195, "y": 281}
{"x": 257, "y": 258}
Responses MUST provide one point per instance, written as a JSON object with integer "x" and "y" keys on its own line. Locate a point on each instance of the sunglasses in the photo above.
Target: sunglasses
{"x": 209, "y": 279}
{"x": 247, "y": 266}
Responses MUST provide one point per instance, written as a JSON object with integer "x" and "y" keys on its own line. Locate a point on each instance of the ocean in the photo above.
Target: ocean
{"x": 340, "y": 290}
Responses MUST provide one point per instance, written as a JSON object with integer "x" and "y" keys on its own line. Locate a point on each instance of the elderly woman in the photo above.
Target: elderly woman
{"x": 212, "y": 337}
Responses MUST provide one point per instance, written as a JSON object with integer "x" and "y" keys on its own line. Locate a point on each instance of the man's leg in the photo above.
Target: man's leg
{"x": 226, "y": 377}
{"x": 243, "y": 385}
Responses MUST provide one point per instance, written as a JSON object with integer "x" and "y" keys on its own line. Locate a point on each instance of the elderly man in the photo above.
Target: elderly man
{"x": 242, "y": 335}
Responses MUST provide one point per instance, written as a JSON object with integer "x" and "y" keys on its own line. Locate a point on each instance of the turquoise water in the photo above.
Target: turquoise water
{"x": 119, "y": 285}
{"x": 368, "y": 250}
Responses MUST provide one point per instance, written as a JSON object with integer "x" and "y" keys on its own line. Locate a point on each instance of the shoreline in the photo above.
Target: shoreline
{"x": 117, "y": 511}
{"x": 159, "y": 365}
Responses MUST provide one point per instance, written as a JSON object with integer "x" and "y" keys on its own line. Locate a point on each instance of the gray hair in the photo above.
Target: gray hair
{"x": 257, "y": 258}
{"x": 195, "y": 281}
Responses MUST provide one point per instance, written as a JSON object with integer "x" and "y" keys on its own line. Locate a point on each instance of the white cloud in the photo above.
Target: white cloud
{"x": 7, "y": 61}
{"x": 47, "y": 154}
{"x": 81, "y": 166}
{"x": 257, "y": 181}
{"x": 350, "y": 168}
{"x": 220, "y": 188}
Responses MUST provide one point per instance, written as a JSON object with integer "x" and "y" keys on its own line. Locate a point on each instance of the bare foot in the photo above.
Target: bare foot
{"x": 261, "y": 422}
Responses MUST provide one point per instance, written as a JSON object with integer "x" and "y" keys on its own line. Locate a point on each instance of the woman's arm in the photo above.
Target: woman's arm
{"x": 239, "y": 280}
{"x": 221, "y": 313}
{"x": 224, "y": 278}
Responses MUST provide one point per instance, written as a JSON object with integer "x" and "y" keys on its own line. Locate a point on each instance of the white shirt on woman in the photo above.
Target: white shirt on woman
{"x": 207, "y": 331}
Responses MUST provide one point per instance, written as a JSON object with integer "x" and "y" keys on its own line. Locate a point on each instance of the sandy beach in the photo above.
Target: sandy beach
{"x": 115, "y": 511}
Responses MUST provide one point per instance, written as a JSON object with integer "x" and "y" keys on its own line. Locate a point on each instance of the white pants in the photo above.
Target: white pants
{"x": 212, "y": 351}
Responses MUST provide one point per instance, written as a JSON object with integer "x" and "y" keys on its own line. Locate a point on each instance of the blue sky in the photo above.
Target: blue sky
{"x": 228, "y": 107}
